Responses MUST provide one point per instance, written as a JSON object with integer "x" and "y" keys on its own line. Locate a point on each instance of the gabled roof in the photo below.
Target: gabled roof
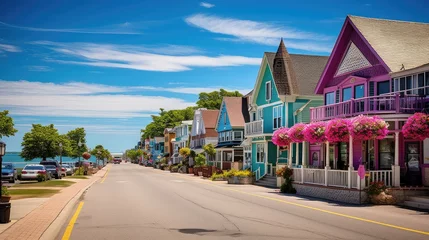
{"x": 401, "y": 45}
{"x": 209, "y": 117}
{"x": 236, "y": 108}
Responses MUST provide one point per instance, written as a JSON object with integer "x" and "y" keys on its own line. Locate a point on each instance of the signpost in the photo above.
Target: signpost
{"x": 361, "y": 174}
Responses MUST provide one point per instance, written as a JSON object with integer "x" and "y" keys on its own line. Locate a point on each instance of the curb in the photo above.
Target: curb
{"x": 55, "y": 227}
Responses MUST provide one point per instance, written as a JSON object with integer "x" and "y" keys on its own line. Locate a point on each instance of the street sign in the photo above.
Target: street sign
{"x": 361, "y": 171}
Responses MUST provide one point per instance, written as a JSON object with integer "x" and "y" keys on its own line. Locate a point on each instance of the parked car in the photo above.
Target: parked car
{"x": 8, "y": 172}
{"x": 117, "y": 161}
{"x": 53, "y": 167}
{"x": 30, "y": 172}
{"x": 67, "y": 170}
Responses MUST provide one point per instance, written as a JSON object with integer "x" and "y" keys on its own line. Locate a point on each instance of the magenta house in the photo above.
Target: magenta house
{"x": 377, "y": 68}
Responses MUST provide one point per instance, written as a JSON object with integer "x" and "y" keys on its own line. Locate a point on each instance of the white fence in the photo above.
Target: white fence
{"x": 381, "y": 176}
{"x": 338, "y": 178}
{"x": 297, "y": 175}
{"x": 314, "y": 176}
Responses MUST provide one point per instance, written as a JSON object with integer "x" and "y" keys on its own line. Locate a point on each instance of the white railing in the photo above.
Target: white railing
{"x": 338, "y": 178}
{"x": 257, "y": 174}
{"x": 381, "y": 176}
{"x": 254, "y": 128}
{"x": 297, "y": 175}
{"x": 355, "y": 179}
{"x": 314, "y": 176}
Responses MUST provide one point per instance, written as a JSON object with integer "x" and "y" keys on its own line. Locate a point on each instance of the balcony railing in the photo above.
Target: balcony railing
{"x": 369, "y": 105}
{"x": 254, "y": 128}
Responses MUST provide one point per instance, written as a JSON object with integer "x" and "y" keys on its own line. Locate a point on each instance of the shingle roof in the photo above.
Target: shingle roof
{"x": 236, "y": 108}
{"x": 396, "y": 42}
{"x": 307, "y": 71}
{"x": 209, "y": 118}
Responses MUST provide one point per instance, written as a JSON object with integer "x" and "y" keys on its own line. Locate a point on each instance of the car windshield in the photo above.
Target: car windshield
{"x": 50, "y": 167}
{"x": 7, "y": 166}
{"x": 33, "y": 168}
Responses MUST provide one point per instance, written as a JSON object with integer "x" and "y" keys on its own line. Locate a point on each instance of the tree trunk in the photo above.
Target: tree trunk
{"x": 44, "y": 159}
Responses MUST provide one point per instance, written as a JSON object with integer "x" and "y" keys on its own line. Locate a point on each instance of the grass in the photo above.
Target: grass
{"x": 51, "y": 183}
{"x": 78, "y": 177}
{"x": 31, "y": 193}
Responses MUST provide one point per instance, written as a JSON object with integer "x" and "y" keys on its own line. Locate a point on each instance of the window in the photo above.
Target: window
{"x": 260, "y": 113}
{"x": 359, "y": 91}
{"x": 238, "y": 135}
{"x": 277, "y": 117}
{"x": 253, "y": 116}
{"x": 227, "y": 136}
{"x": 329, "y": 98}
{"x": 412, "y": 85}
{"x": 383, "y": 87}
{"x": 268, "y": 91}
{"x": 260, "y": 155}
{"x": 347, "y": 94}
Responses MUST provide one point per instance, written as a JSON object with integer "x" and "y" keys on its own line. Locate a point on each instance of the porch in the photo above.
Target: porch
{"x": 383, "y": 104}
{"x": 254, "y": 128}
{"x": 228, "y": 158}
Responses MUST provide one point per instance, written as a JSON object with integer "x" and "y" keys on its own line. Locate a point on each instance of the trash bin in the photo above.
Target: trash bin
{"x": 4, "y": 212}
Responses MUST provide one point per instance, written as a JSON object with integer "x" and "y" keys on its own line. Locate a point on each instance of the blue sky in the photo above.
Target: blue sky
{"x": 108, "y": 65}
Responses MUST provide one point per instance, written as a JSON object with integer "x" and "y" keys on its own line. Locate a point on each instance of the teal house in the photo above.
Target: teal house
{"x": 282, "y": 96}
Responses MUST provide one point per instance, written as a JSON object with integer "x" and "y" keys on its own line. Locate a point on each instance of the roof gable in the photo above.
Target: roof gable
{"x": 353, "y": 60}
{"x": 260, "y": 98}
{"x": 223, "y": 123}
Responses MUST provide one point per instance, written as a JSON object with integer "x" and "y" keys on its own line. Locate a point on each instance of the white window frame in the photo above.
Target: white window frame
{"x": 228, "y": 134}
{"x": 268, "y": 92}
{"x": 260, "y": 114}
{"x": 260, "y": 155}
{"x": 277, "y": 110}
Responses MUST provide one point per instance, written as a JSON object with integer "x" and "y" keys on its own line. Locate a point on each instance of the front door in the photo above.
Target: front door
{"x": 412, "y": 163}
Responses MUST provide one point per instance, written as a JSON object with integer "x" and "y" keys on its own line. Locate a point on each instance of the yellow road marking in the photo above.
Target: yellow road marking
{"x": 69, "y": 228}
{"x": 105, "y": 175}
{"x": 319, "y": 209}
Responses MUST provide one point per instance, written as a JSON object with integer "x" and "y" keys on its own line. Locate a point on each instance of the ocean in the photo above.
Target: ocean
{"x": 19, "y": 162}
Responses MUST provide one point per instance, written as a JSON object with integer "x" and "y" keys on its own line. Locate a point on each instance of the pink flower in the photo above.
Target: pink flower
{"x": 281, "y": 137}
{"x": 315, "y": 132}
{"x": 296, "y": 133}
{"x": 337, "y": 130}
{"x": 366, "y": 128}
{"x": 417, "y": 127}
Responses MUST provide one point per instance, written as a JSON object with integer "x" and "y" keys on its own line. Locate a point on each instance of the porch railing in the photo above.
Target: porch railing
{"x": 254, "y": 128}
{"x": 338, "y": 178}
{"x": 314, "y": 176}
{"x": 369, "y": 105}
{"x": 257, "y": 174}
{"x": 381, "y": 176}
{"x": 297, "y": 175}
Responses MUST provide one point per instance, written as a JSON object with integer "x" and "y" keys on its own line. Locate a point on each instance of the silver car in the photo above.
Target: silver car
{"x": 31, "y": 171}
{"x": 68, "y": 169}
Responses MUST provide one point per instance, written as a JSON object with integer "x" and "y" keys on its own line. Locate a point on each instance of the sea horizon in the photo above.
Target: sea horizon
{"x": 14, "y": 157}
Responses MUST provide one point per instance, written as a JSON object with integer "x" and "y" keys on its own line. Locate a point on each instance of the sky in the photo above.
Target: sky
{"x": 108, "y": 66}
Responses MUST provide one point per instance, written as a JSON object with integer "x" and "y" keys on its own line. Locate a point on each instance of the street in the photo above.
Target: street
{"x": 135, "y": 202}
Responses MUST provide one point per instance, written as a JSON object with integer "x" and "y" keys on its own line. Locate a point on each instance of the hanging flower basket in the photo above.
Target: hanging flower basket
{"x": 337, "y": 130}
{"x": 367, "y": 128}
{"x": 417, "y": 127}
{"x": 315, "y": 132}
{"x": 86, "y": 156}
{"x": 281, "y": 137}
{"x": 296, "y": 133}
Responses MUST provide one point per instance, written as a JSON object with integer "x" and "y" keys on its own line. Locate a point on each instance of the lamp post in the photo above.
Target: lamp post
{"x": 2, "y": 153}
{"x": 79, "y": 144}
{"x": 61, "y": 153}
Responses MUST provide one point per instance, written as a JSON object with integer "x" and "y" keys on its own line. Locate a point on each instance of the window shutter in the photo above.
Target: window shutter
{"x": 371, "y": 88}
{"x": 337, "y": 96}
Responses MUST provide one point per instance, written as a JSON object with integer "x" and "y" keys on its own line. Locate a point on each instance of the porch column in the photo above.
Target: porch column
{"x": 289, "y": 153}
{"x": 350, "y": 162}
{"x": 297, "y": 154}
{"x": 396, "y": 169}
{"x": 221, "y": 160}
{"x": 304, "y": 154}
{"x": 326, "y": 163}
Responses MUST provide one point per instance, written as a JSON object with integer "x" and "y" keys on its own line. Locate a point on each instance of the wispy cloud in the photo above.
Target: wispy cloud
{"x": 206, "y": 5}
{"x": 90, "y": 128}
{"x": 39, "y": 68}
{"x": 120, "y": 29}
{"x": 171, "y": 58}
{"x": 190, "y": 90}
{"x": 259, "y": 32}
{"x": 9, "y": 48}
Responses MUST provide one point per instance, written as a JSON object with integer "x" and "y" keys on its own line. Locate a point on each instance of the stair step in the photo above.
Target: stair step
{"x": 263, "y": 184}
{"x": 418, "y": 205}
{"x": 419, "y": 199}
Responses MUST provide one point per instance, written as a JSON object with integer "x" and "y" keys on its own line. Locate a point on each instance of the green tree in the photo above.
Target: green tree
{"x": 67, "y": 149}
{"x": 75, "y": 136}
{"x": 41, "y": 142}
{"x": 6, "y": 125}
{"x": 101, "y": 153}
{"x": 213, "y": 100}
{"x": 210, "y": 150}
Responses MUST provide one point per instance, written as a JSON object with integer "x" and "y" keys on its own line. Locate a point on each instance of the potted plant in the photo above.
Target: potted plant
{"x": 5, "y": 195}
{"x": 315, "y": 132}
{"x": 239, "y": 176}
{"x": 200, "y": 161}
{"x": 287, "y": 186}
{"x": 367, "y": 128}
{"x": 417, "y": 127}
{"x": 281, "y": 137}
{"x": 191, "y": 167}
{"x": 337, "y": 130}
{"x": 279, "y": 173}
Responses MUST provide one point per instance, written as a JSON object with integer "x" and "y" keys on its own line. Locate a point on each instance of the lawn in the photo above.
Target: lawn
{"x": 78, "y": 177}
{"x": 31, "y": 193}
{"x": 51, "y": 183}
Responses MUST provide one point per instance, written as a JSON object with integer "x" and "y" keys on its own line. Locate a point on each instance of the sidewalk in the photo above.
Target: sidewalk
{"x": 33, "y": 225}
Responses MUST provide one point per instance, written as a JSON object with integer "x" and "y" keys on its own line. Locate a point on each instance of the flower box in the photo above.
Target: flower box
{"x": 337, "y": 130}
{"x": 367, "y": 128}
{"x": 315, "y": 132}
{"x": 240, "y": 180}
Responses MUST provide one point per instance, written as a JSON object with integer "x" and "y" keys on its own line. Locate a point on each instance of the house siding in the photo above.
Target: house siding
{"x": 260, "y": 98}
{"x": 221, "y": 126}
{"x": 256, "y": 165}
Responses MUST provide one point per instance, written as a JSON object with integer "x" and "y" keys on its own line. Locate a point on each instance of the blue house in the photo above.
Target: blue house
{"x": 230, "y": 128}
{"x": 282, "y": 96}
{"x": 157, "y": 150}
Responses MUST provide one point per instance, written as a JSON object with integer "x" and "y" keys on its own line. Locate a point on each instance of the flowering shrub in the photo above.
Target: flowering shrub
{"x": 337, "y": 130}
{"x": 376, "y": 188}
{"x": 287, "y": 174}
{"x": 417, "y": 127}
{"x": 280, "y": 171}
{"x": 281, "y": 137}
{"x": 366, "y": 128}
{"x": 296, "y": 133}
{"x": 315, "y": 132}
{"x": 86, "y": 155}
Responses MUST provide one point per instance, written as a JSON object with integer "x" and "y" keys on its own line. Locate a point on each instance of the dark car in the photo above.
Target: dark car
{"x": 53, "y": 167}
{"x": 8, "y": 172}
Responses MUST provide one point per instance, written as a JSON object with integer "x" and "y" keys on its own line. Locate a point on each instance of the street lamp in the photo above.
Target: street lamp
{"x": 61, "y": 153}
{"x": 2, "y": 153}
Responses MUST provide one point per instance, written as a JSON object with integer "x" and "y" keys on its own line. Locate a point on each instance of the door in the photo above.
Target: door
{"x": 412, "y": 163}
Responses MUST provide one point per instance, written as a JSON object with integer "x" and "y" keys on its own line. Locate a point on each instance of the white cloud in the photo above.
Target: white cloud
{"x": 206, "y": 5}
{"x": 191, "y": 90}
{"x": 259, "y": 32}
{"x": 120, "y": 29}
{"x": 90, "y": 128}
{"x": 39, "y": 68}
{"x": 9, "y": 48}
{"x": 139, "y": 58}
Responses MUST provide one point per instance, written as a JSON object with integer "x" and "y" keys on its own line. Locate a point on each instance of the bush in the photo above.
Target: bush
{"x": 185, "y": 152}
{"x": 174, "y": 169}
{"x": 79, "y": 171}
{"x": 217, "y": 176}
{"x": 4, "y": 191}
{"x": 236, "y": 173}
{"x": 287, "y": 186}
{"x": 200, "y": 160}
{"x": 376, "y": 188}
{"x": 41, "y": 178}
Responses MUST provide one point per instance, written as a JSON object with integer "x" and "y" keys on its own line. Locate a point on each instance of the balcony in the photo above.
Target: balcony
{"x": 254, "y": 128}
{"x": 383, "y": 104}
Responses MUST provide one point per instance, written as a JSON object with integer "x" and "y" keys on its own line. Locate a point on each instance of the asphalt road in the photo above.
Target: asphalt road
{"x": 135, "y": 202}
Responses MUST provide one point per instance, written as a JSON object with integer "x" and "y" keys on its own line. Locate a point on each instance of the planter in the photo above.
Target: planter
{"x": 280, "y": 181}
{"x": 237, "y": 180}
{"x": 220, "y": 179}
{"x": 200, "y": 174}
{"x": 382, "y": 199}
{"x": 5, "y": 199}
{"x": 190, "y": 170}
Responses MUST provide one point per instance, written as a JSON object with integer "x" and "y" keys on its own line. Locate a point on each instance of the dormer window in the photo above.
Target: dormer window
{"x": 268, "y": 91}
